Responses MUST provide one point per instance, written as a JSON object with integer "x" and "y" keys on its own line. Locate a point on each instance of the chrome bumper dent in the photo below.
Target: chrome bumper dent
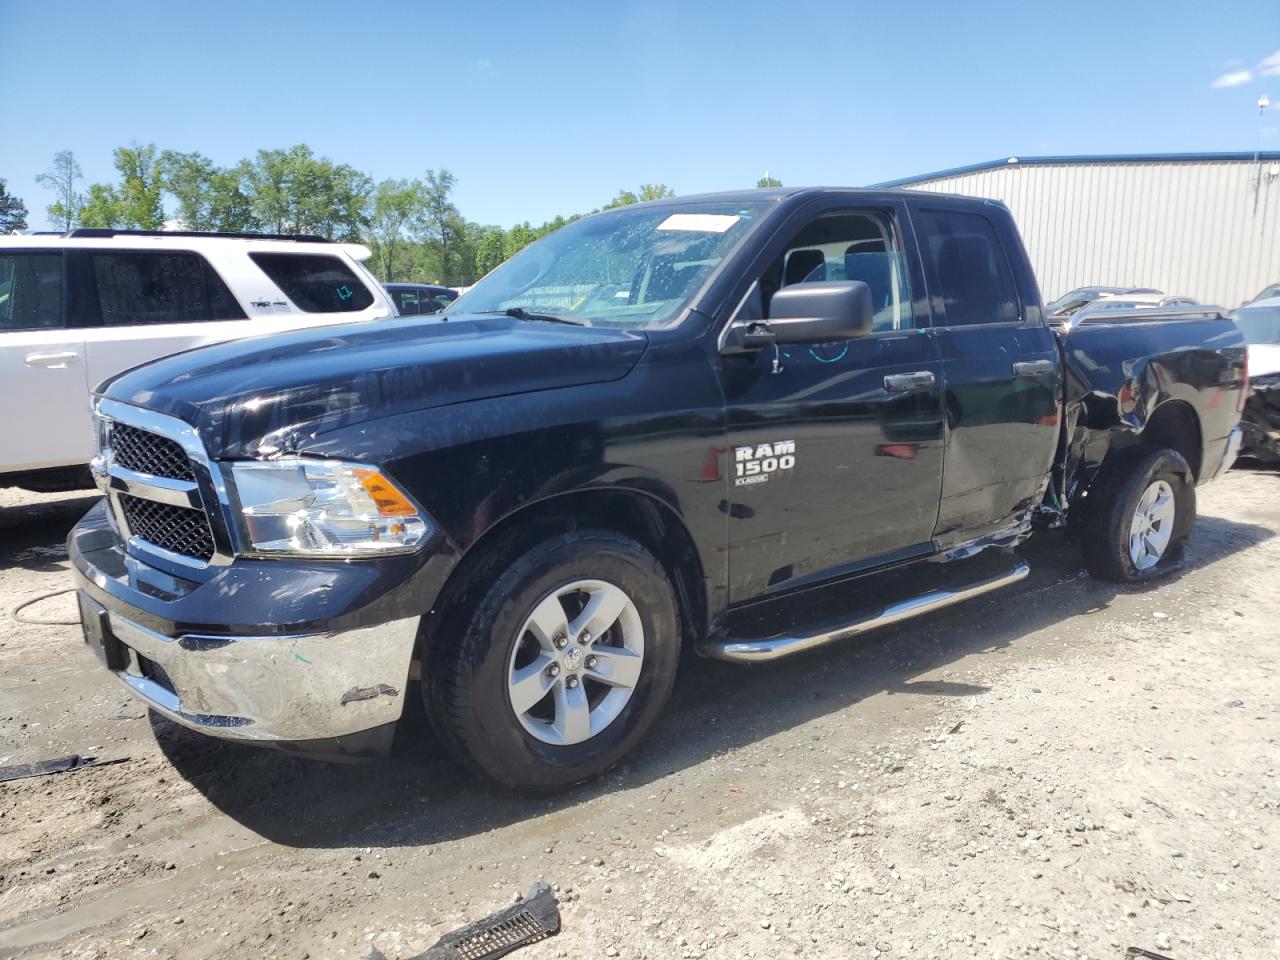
{"x": 272, "y": 688}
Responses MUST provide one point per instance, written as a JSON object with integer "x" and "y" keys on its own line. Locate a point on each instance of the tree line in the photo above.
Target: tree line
{"x": 413, "y": 226}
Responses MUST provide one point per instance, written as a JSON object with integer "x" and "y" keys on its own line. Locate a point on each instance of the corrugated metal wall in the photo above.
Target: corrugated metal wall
{"x": 1182, "y": 227}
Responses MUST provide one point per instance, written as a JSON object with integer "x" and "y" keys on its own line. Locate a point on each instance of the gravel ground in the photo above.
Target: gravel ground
{"x": 1061, "y": 769}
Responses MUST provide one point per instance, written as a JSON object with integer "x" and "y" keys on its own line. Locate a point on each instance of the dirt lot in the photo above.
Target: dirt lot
{"x": 1058, "y": 770}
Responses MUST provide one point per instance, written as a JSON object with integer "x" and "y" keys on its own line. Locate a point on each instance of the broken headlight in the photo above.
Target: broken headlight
{"x": 325, "y": 508}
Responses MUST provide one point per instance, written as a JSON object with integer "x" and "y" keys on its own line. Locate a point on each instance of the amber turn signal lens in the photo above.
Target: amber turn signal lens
{"x": 391, "y": 502}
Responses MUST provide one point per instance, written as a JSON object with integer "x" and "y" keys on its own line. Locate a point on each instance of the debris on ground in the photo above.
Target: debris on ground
{"x": 535, "y": 917}
{"x": 41, "y": 768}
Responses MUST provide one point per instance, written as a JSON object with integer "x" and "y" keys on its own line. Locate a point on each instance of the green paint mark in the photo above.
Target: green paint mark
{"x": 345, "y": 292}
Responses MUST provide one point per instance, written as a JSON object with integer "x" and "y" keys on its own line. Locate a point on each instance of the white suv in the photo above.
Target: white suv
{"x": 78, "y": 308}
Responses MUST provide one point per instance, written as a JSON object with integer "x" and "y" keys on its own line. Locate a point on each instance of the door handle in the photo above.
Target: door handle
{"x": 51, "y": 359}
{"x": 1033, "y": 368}
{"x": 902, "y": 382}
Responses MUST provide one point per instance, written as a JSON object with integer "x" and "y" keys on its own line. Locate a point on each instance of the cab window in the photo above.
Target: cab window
{"x": 849, "y": 246}
{"x": 970, "y": 269}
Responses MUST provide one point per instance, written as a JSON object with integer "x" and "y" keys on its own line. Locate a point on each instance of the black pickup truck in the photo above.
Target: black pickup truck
{"x": 689, "y": 423}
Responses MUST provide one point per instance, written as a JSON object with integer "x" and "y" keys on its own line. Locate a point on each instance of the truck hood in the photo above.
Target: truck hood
{"x": 265, "y": 395}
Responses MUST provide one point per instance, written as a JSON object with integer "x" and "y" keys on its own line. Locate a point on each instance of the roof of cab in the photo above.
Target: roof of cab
{"x": 778, "y": 194}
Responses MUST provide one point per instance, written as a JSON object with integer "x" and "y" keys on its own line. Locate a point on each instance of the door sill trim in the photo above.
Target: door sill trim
{"x": 784, "y": 645}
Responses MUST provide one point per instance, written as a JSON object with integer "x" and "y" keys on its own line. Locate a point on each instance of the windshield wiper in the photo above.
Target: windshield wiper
{"x": 520, "y": 313}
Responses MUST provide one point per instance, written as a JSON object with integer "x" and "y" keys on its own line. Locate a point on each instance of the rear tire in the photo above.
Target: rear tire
{"x": 516, "y": 639}
{"x": 1138, "y": 516}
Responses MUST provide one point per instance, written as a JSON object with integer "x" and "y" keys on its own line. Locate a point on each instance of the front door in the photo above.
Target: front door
{"x": 834, "y": 450}
{"x": 46, "y": 422}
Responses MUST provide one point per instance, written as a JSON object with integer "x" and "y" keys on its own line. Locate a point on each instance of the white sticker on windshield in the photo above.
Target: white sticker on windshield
{"x": 700, "y": 222}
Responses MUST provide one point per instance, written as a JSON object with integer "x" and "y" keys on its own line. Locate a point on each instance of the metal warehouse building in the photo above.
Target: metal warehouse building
{"x": 1206, "y": 225}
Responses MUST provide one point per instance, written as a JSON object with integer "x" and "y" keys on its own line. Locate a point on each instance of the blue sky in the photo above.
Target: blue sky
{"x": 541, "y": 108}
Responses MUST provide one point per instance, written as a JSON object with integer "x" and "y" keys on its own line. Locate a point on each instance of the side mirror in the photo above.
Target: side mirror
{"x": 821, "y": 312}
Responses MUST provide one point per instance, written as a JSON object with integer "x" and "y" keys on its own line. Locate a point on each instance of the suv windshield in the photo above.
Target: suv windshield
{"x": 636, "y": 267}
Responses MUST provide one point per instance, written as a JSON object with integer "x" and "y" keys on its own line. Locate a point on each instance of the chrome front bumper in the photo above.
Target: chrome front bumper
{"x": 269, "y": 688}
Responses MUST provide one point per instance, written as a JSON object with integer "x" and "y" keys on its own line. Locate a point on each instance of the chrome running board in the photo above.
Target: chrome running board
{"x": 783, "y": 645}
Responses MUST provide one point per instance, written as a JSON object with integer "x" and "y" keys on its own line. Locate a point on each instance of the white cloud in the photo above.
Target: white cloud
{"x": 1236, "y": 79}
{"x": 1267, "y": 67}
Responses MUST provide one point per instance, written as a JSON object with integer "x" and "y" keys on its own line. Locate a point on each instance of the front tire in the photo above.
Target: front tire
{"x": 548, "y": 673}
{"x": 1139, "y": 515}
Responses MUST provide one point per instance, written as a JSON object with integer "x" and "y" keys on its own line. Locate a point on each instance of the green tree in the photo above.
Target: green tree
{"x": 397, "y": 206}
{"x": 648, "y": 191}
{"x": 491, "y": 249}
{"x": 62, "y": 178}
{"x": 13, "y": 212}
{"x": 103, "y": 207}
{"x": 768, "y": 181}
{"x": 141, "y": 187}
{"x": 338, "y": 209}
{"x": 441, "y": 223}
{"x": 208, "y": 197}
{"x": 293, "y": 191}
{"x": 519, "y": 237}
{"x": 230, "y": 209}
{"x": 137, "y": 203}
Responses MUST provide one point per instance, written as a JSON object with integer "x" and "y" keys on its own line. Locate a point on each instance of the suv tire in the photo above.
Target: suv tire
{"x": 1138, "y": 516}
{"x": 511, "y": 641}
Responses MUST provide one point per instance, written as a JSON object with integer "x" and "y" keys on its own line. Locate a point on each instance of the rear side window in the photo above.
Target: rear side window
{"x": 969, "y": 267}
{"x": 146, "y": 287}
{"x": 30, "y": 291}
{"x": 407, "y": 302}
{"x": 316, "y": 283}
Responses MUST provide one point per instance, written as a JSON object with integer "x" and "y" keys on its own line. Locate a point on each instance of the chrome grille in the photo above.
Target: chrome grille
{"x": 148, "y": 452}
{"x": 176, "y": 529}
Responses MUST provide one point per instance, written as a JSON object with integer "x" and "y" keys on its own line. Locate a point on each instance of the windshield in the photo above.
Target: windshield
{"x": 1259, "y": 324}
{"x": 636, "y": 267}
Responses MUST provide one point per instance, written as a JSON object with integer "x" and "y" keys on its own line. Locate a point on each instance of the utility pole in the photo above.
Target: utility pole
{"x": 1263, "y": 102}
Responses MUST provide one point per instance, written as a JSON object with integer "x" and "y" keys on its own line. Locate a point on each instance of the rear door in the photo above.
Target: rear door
{"x": 834, "y": 449}
{"x": 1000, "y": 363}
{"x": 147, "y": 304}
{"x": 46, "y": 419}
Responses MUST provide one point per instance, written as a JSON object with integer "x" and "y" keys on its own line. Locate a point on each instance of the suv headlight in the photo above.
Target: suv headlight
{"x": 325, "y": 508}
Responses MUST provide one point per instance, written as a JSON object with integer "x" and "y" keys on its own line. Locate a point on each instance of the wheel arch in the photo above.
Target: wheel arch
{"x": 1176, "y": 425}
{"x": 645, "y": 518}
{"x": 1172, "y": 424}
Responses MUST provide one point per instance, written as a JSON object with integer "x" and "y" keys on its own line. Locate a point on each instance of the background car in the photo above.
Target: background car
{"x": 79, "y": 308}
{"x": 1073, "y": 300}
{"x": 1267, "y": 294}
{"x": 412, "y": 299}
{"x": 1108, "y": 303}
